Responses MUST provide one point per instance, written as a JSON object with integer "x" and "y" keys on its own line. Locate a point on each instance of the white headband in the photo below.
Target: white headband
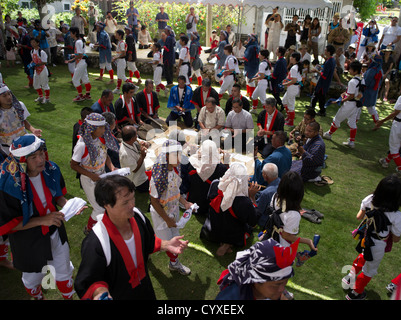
{"x": 4, "y": 89}
{"x": 24, "y": 151}
{"x": 172, "y": 148}
{"x": 96, "y": 123}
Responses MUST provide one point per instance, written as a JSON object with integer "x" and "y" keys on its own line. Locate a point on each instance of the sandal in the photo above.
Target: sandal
{"x": 326, "y": 180}
{"x": 311, "y": 217}
{"x": 315, "y": 212}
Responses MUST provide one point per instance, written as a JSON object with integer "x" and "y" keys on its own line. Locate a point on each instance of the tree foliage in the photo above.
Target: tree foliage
{"x": 222, "y": 16}
{"x": 366, "y": 8}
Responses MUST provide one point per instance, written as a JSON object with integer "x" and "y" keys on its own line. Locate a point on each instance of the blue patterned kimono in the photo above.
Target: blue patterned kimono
{"x": 251, "y": 61}
{"x": 174, "y": 99}
{"x": 104, "y": 42}
{"x": 310, "y": 166}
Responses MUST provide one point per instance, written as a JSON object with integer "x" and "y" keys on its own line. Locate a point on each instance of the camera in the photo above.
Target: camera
{"x": 301, "y": 141}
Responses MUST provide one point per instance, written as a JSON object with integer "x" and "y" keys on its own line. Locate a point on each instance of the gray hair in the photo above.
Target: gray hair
{"x": 270, "y": 170}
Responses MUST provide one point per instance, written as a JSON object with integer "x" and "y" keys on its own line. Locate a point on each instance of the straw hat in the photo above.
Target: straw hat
{"x": 388, "y": 49}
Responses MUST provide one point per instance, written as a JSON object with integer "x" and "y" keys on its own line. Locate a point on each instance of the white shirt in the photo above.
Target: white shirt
{"x": 242, "y": 120}
{"x": 37, "y": 183}
{"x": 110, "y": 26}
{"x": 121, "y": 47}
{"x": 157, "y": 56}
{"x": 192, "y": 19}
{"x": 291, "y": 220}
{"x": 210, "y": 120}
{"x": 294, "y": 74}
{"x": 264, "y": 69}
{"x": 131, "y": 247}
{"x": 85, "y": 162}
{"x": 306, "y": 56}
{"x": 239, "y": 53}
{"x": 394, "y": 217}
{"x": 184, "y": 54}
{"x": 397, "y": 106}
{"x": 53, "y": 32}
{"x": 231, "y": 63}
{"x": 390, "y": 34}
{"x": 129, "y": 156}
{"x": 42, "y": 57}
{"x": 79, "y": 47}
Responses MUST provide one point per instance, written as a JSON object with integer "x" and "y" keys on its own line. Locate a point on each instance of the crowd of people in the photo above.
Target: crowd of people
{"x": 116, "y": 134}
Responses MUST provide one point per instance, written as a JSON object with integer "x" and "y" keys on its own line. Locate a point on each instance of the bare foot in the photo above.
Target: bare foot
{"x": 223, "y": 249}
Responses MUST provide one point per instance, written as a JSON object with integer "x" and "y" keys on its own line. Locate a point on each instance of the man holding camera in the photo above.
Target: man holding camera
{"x": 297, "y": 135}
{"x": 311, "y": 154}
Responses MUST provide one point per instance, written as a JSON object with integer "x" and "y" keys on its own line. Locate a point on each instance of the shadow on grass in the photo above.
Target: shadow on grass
{"x": 47, "y": 107}
{"x": 178, "y": 286}
{"x": 11, "y": 287}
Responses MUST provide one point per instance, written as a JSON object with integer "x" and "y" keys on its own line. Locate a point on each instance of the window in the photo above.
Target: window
{"x": 66, "y": 6}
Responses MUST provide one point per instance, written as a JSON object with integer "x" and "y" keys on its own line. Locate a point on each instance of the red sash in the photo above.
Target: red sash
{"x": 136, "y": 273}
{"x": 208, "y": 94}
{"x": 39, "y": 205}
{"x": 149, "y": 104}
{"x": 216, "y": 202}
{"x": 130, "y": 113}
{"x": 271, "y": 122}
{"x": 104, "y": 109}
{"x": 192, "y": 172}
{"x": 36, "y": 59}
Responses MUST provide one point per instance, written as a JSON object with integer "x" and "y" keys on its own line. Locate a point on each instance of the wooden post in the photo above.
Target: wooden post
{"x": 209, "y": 25}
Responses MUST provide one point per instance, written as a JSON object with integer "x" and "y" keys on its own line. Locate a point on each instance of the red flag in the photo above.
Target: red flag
{"x": 358, "y": 32}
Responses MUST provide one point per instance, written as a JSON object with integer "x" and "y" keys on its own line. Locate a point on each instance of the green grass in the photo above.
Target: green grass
{"x": 355, "y": 173}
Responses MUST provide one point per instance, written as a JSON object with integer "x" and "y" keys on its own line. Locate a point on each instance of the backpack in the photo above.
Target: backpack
{"x": 361, "y": 89}
{"x": 274, "y": 225}
{"x": 374, "y": 222}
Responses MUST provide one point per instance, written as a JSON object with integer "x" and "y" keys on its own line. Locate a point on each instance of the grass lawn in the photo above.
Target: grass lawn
{"x": 355, "y": 172}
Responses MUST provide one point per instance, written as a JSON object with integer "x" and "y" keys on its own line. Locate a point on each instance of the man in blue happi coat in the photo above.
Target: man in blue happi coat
{"x": 104, "y": 45}
{"x": 179, "y": 102}
{"x": 323, "y": 84}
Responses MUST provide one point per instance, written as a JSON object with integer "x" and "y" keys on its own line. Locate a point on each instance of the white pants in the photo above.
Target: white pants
{"x": 289, "y": 97}
{"x": 260, "y": 91}
{"x": 88, "y": 185}
{"x": 272, "y": 46}
{"x": 347, "y": 111}
{"x": 131, "y": 66}
{"x": 394, "y": 140}
{"x": 41, "y": 81}
{"x": 216, "y": 72}
{"x": 370, "y": 267}
{"x": 71, "y": 67}
{"x": 227, "y": 85}
{"x": 196, "y": 72}
{"x": 105, "y": 65}
{"x": 184, "y": 72}
{"x": 61, "y": 263}
{"x": 157, "y": 75}
{"x": 162, "y": 231}
{"x": 80, "y": 74}
{"x": 372, "y": 111}
{"x": 121, "y": 65}
{"x": 250, "y": 83}
{"x": 361, "y": 51}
